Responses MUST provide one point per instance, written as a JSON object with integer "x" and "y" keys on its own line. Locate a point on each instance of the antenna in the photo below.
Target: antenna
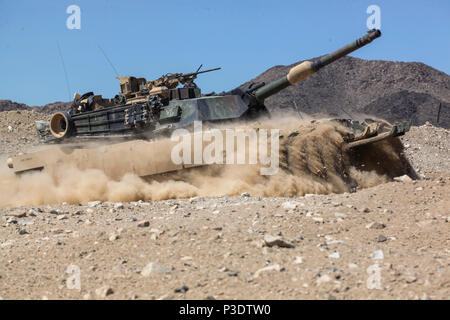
{"x": 343, "y": 110}
{"x": 109, "y": 61}
{"x": 298, "y": 111}
{"x": 199, "y": 68}
{"x": 65, "y": 71}
{"x": 439, "y": 113}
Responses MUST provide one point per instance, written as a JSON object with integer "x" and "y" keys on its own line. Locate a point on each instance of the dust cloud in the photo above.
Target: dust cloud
{"x": 312, "y": 160}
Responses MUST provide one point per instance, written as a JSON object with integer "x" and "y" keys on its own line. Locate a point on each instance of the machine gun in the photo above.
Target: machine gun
{"x": 172, "y": 80}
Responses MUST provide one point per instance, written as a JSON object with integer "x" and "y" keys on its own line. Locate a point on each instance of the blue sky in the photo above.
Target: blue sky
{"x": 150, "y": 38}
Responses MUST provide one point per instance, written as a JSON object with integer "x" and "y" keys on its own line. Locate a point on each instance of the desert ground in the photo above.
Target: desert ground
{"x": 390, "y": 241}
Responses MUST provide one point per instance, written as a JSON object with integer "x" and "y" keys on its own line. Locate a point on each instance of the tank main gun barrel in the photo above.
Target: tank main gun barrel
{"x": 307, "y": 68}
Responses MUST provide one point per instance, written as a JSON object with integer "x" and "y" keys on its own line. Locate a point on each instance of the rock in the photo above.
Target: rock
{"x": 278, "y": 241}
{"x": 323, "y": 279}
{"x": 419, "y": 189}
{"x": 426, "y": 223}
{"x": 104, "y": 291}
{"x": 193, "y": 199}
{"x": 245, "y": 194}
{"x": 11, "y": 220}
{"x": 298, "y": 260}
{"x": 318, "y": 219}
{"x": 403, "y": 178}
{"x": 352, "y": 266}
{"x": 17, "y": 215}
{"x": 334, "y": 255}
{"x": 377, "y": 255}
{"x": 182, "y": 289}
{"x": 375, "y": 225}
{"x": 22, "y": 232}
{"x": 89, "y": 210}
{"x": 25, "y": 222}
{"x": 92, "y": 204}
{"x": 143, "y": 224}
{"x": 381, "y": 238}
{"x": 331, "y": 242}
{"x": 365, "y": 210}
{"x": 87, "y": 296}
{"x": 275, "y": 267}
{"x": 62, "y": 217}
{"x": 118, "y": 205}
{"x": 186, "y": 258}
{"x": 10, "y": 129}
{"x": 288, "y": 205}
{"x": 113, "y": 237}
{"x": 32, "y": 213}
{"x": 410, "y": 277}
{"x": 336, "y": 204}
{"x": 154, "y": 268}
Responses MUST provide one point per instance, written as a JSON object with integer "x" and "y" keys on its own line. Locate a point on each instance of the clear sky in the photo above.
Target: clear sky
{"x": 244, "y": 37}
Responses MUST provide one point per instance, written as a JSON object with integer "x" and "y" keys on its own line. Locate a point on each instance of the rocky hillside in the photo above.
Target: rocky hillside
{"x": 391, "y": 90}
{"x": 8, "y": 105}
{"x": 53, "y": 107}
{"x": 386, "y": 89}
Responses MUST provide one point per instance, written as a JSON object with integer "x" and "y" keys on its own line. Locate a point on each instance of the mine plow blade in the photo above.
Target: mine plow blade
{"x": 371, "y": 131}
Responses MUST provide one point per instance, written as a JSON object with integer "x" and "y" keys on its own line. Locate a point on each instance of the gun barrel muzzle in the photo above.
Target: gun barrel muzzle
{"x": 307, "y": 68}
{"x": 355, "y": 45}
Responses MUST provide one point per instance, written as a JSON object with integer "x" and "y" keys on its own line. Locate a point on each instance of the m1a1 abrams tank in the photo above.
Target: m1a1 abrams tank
{"x": 145, "y": 109}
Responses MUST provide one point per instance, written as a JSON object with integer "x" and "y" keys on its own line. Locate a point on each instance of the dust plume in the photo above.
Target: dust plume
{"x": 312, "y": 160}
